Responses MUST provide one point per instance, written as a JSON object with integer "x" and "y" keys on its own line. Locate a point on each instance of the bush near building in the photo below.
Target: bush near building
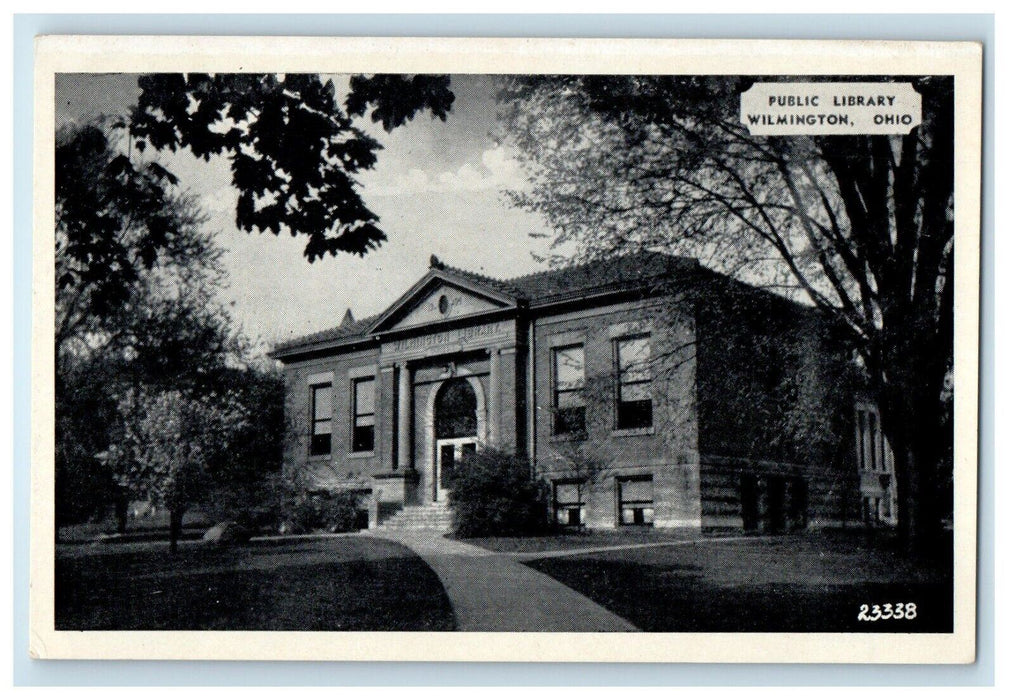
{"x": 309, "y": 511}
{"x": 494, "y": 493}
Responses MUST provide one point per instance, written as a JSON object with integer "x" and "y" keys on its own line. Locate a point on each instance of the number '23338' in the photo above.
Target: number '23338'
{"x": 887, "y": 611}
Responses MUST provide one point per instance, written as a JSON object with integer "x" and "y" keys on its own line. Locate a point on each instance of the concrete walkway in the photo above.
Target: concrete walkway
{"x": 493, "y": 592}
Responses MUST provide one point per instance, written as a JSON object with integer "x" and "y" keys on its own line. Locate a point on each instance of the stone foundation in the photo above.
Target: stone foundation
{"x": 391, "y": 492}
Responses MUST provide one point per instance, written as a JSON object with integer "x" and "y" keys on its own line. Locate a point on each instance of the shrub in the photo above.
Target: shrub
{"x": 320, "y": 510}
{"x": 259, "y": 506}
{"x": 287, "y": 505}
{"x": 493, "y": 493}
{"x": 340, "y": 512}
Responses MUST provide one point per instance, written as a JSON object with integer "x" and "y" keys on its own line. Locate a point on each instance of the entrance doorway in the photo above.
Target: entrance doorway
{"x": 456, "y": 432}
{"x": 450, "y": 453}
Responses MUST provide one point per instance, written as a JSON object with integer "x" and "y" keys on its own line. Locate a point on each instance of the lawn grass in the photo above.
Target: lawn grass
{"x": 348, "y": 583}
{"x": 582, "y": 539}
{"x": 799, "y": 583}
{"x": 150, "y": 527}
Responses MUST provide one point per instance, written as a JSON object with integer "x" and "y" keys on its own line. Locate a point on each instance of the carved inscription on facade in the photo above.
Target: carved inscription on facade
{"x": 451, "y": 340}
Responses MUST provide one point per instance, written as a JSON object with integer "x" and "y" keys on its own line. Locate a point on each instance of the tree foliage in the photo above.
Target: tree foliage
{"x": 116, "y": 221}
{"x": 293, "y": 149}
{"x": 143, "y": 318}
{"x": 85, "y": 410}
{"x": 181, "y": 340}
{"x": 858, "y": 226}
{"x": 495, "y": 494}
{"x": 774, "y": 383}
{"x": 167, "y": 445}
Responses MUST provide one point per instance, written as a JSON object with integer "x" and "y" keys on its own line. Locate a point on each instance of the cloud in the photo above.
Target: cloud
{"x": 503, "y": 166}
{"x": 497, "y": 170}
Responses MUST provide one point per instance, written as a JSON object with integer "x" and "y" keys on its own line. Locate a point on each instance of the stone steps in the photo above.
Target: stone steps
{"x": 432, "y": 517}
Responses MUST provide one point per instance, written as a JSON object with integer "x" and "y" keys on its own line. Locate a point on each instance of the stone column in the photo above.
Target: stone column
{"x": 384, "y": 425}
{"x": 507, "y": 390}
{"x": 493, "y": 418}
{"x": 404, "y": 417}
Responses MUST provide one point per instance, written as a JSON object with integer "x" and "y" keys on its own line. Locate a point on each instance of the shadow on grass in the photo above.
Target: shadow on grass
{"x": 793, "y": 584}
{"x": 347, "y": 584}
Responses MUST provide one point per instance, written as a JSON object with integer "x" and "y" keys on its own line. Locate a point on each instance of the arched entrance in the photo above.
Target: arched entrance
{"x": 457, "y": 422}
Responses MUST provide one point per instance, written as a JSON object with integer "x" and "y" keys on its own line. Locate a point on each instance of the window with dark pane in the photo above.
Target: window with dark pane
{"x": 363, "y": 415}
{"x": 635, "y": 497}
{"x": 320, "y": 419}
{"x": 634, "y": 383}
{"x": 569, "y": 390}
{"x": 568, "y": 503}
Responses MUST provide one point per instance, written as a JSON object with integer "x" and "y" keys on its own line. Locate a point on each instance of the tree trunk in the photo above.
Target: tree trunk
{"x": 122, "y": 505}
{"x": 906, "y": 468}
{"x": 911, "y": 421}
{"x": 175, "y": 527}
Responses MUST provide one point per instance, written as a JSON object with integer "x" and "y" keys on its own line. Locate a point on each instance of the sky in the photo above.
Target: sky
{"x": 437, "y": 189}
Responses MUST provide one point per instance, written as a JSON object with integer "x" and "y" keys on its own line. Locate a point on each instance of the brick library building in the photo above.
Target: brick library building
{"x": 646, "y": 390}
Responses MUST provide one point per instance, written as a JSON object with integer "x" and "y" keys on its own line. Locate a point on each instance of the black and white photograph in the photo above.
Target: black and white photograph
{"x": 523, "y": 351}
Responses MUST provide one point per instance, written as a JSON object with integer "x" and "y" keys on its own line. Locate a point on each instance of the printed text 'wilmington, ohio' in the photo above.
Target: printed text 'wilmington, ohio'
{"x": 814, "y": 102}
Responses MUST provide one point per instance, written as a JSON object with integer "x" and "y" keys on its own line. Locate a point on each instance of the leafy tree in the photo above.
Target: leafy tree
{"x": 236, "y": 482}
{"x": 116, "y": 222}
{"x": 774, "y": 381}
{"x": 137, "y": 276}
{"x": 294, "y": 153}
{"x": 153, "y": 341}
{"x": 293, "y": 148}
{"x": 167, "y": 445}
{"x": 859, "y": 226}
{"x": 243, "y": 484}
{"x": 85, "y": 410}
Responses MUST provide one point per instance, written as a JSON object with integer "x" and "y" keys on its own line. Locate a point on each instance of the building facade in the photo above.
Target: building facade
{"x": 645, "y": 389}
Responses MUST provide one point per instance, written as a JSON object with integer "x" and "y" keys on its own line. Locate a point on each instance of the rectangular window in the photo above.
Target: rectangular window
{"x": 569, "y": 390}
{"x": 363, "y": 415}
{"x": 634, "y": 383}
{"x": 568, "y": 503}
{"x": 635, "y": 498}
{"x": 320, "y": 419}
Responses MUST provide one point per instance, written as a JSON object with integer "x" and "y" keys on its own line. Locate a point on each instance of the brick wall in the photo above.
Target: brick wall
{"x": 829, "y": 494}
{"x": 774, "y": 410}
{"x": 666, "y": 452}
{"x": 340, "y": 469}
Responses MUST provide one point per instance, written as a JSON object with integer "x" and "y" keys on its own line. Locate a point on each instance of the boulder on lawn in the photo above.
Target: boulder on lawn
{"x": 291, "y": 527}
{"x": 229, "y": 532}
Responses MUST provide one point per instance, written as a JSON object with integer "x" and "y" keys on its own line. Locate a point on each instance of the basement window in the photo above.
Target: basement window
{"x": 634, "y": 495}
{"x": 568, "y": 504}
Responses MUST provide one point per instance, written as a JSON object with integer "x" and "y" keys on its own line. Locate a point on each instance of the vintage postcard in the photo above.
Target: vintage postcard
{"x": 505, "y": 350}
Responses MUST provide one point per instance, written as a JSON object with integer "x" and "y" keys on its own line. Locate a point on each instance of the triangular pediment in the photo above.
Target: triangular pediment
{"x": 440, "y": 297}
